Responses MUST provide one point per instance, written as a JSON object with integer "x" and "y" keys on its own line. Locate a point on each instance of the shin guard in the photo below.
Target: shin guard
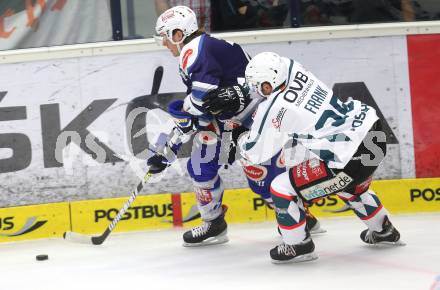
{"x": 290, "y": 216}
{"x": 367, "y": 207}
{"x": 209, "y": 199}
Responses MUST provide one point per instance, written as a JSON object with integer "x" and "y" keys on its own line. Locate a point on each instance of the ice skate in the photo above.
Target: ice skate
{"x": 209, "y": 233}
{"x": 313, "y": 225}
{"x": 301, "y": 252}
{"x": 388, "y": 236}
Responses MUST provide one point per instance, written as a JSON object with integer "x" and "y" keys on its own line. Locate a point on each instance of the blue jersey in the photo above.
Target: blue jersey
{"x": 207, "y": 63}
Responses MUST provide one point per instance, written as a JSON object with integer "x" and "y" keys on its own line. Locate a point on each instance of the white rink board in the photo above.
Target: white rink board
{"x": 74, "y": 83}
{"x": 156, "y": 260}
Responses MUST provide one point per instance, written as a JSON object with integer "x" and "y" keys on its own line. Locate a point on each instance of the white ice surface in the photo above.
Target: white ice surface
{"x": 156, "y": 260}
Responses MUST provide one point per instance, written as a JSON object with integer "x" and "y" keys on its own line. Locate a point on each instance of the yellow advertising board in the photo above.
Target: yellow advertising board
{"x": 398, "y": 196}
{"x": 146, "y": 212}
{"x": 409, "y": 195}
{"x": 163, "y": 211}
{"x": 34, "y": 222}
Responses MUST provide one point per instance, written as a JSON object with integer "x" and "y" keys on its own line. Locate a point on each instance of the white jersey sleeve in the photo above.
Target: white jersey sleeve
{"x": 254, "y": 147}
{"x": 307, "y": 113}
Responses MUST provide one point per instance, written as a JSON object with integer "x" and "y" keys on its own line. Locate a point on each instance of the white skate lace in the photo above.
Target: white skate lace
{"x": 287, "y": 250}
{"x": 201, "y": 230}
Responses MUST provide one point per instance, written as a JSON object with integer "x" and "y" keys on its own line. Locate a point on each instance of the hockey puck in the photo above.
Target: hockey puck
{"x": 42, "y": 257}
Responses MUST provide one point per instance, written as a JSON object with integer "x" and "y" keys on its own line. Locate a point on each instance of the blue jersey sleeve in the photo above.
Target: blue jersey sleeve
{"x": 208, "y": 63}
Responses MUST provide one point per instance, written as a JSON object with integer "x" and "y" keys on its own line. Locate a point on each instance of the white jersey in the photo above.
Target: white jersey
{"x": 307, "y": 115}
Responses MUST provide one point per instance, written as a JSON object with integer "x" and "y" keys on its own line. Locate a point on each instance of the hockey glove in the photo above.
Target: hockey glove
{"x": 227, "y": 100}
{"x": 185, "y": 122}
{"x": 165, "y": 156}
{"x": 157, "y": 163}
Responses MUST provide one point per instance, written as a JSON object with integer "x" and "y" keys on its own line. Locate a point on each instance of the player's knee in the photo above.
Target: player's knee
{"x": 280, "y": 201}
{"x": 280, "y": 198}
{"x": 201, "y": 172}
{"x": 281, "y": 184}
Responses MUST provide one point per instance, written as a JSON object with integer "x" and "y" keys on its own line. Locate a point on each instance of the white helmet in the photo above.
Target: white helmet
{"x": 178, "y": 17}
{"x": 266, "y": 67}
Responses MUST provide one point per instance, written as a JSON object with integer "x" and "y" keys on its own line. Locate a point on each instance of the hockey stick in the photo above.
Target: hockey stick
{"x": 157, "y": 79}
{"x": 98, "y": 240}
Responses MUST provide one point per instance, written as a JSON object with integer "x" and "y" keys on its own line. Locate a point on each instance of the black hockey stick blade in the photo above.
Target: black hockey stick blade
{"x": 157, "y": 80}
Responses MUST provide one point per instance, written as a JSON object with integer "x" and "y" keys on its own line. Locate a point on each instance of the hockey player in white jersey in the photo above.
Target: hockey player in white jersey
{"x": 330, "y": 147}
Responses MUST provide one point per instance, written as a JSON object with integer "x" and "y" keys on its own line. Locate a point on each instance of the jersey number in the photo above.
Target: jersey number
{"x": 339, "y": 114}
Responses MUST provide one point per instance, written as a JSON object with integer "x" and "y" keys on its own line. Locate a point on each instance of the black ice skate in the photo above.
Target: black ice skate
{"x": 313, "y": 225}
{"x": 209, "y": 233}
{"x": 389, "y": 235}
{"x": 301, "y": 252}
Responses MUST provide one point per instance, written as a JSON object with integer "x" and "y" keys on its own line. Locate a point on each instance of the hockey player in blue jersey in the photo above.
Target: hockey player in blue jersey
{"x": 205, "y": 65}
